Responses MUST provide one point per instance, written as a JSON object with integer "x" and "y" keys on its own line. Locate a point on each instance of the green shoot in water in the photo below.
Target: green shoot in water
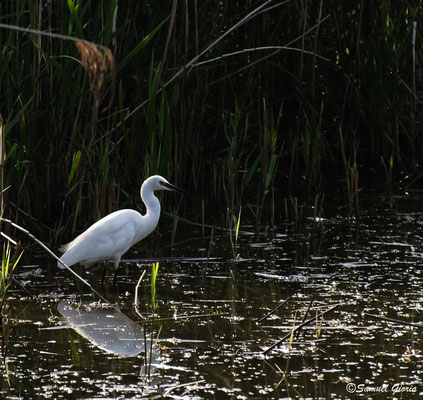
{"x": 237, "y": 226}
{"x": 293, "y": 329}
{"x": 8, "y": 265}
{"x": 238, "y": 223}
{"x": 154, "y": 272}
{"x": 7, "y": 268}
{"x": 318, "y": 326}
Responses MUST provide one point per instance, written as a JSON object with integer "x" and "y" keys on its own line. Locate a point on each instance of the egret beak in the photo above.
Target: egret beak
{"x": 168, "y": 186}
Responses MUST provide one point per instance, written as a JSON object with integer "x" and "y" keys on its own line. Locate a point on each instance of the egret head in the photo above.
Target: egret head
{"x": 157, "y": 182}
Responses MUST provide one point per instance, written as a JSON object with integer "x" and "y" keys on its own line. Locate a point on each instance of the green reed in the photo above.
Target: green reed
{"x": 9, "y": 262}
{"x": 8, "y": 266}
{"x": 154, "y": 273}
{"x": 351, "y": 177}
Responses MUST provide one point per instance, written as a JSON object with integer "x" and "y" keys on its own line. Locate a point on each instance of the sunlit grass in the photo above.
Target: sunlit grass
{"x": 154, "y": 273}
{"x": 318, "y": 326}
{"x": 9, "y": 262}
{"x": 8, "y": 266}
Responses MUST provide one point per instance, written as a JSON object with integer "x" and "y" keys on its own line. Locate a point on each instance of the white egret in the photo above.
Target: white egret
{"x": 112, "y": 236}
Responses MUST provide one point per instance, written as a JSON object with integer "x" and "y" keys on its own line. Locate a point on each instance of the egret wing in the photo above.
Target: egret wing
{"x": 107, "y": 239}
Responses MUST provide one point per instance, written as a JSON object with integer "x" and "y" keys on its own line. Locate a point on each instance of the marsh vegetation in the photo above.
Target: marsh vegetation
{"x": 234, "y": 103}
{"x": 292, "y": 270}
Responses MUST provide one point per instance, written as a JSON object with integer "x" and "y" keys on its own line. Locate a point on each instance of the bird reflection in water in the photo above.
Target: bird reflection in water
{"x": 107, "y": 328}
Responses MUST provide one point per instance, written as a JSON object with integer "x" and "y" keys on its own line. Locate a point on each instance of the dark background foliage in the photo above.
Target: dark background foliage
{"x": 231, "y": 100}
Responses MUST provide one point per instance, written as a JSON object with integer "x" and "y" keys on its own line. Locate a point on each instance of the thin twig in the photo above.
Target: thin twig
{"x": 8, "y": 238}
{"x": 50, "y": 34}
{"x": 306, "y": 313}
{"x": 182, "y": 385}
{"x": 395, "y": 321}
{"x": 286, "y": 46}
{"x": 334, "y": 275}
{"x": 274, "y": 310}
{"x": 169, "y": 34}
{"x": 189, "y": 65}
{"x": 137, "y": 287}
{"x": 57, "y": 258}
{"x": 184, "y": 317}
{"x": 208, "y": 255}
{"x": 22, "y": 287}
{"x": 413, "y": 46}
{"x": 298, "y": 327}
{"x": 278, "y": 48}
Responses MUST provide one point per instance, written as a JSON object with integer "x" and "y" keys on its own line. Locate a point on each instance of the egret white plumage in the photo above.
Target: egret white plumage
{"x": 112, "y": 236}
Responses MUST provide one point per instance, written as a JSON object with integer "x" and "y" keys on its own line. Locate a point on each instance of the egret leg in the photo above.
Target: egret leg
{"x": 116, "y": 270}
{"x": 103, "y": 279}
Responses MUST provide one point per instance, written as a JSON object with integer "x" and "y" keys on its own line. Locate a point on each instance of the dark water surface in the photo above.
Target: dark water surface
{"x": 204, "y": 340}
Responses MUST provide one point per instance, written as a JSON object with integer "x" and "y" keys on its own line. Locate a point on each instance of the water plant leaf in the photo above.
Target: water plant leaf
{"x": 108, "y": 30}
{"x": 75, "y": 162}
{"x": 154, "y": 272}
{"x": 7, "y": 268}
{"x": 238, "y": 223}
{"x": 271, "y": 171}
{"x": 252, "y": 171}
{"x": 139, "y": 46}
{"x": 293, "y": 329}
{"x": 73, "y": 8}
{"x": 75, "y": 89}
{"x": 10, "y": 123}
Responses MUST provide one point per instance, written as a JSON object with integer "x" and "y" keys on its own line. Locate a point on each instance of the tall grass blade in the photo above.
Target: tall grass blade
{"x": 154, "y": 273}
{"x": 75, "y": 163}
{"x": 139, "y": 46}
